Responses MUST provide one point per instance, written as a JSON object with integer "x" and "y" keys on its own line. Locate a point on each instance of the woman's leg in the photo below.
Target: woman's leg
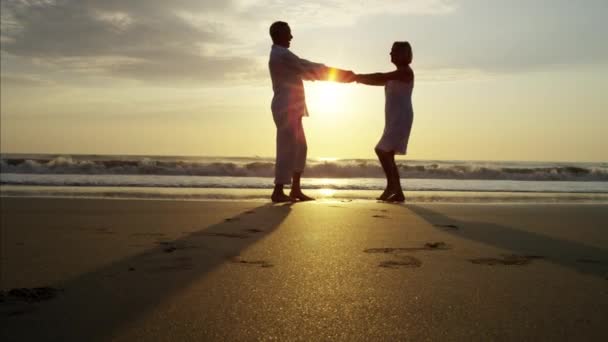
{"x": 397, "y": 193}
{"x": 384, "y": 158}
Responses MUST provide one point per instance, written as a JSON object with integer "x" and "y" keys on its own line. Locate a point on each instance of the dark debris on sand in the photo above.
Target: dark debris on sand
{"x": 30, "y": 295}
{"x": 447, "y": 226}
{"x": 592, "y": 261}
{"x": 405, "y": 262}
{"x": 226, "y": 235}
{"x": 436, "y": 245}
{"x": 261, "y": 263}
{"x": 254, "y": 230}
{"x": 429, "y": 246}
{"x": 507, "y": 259}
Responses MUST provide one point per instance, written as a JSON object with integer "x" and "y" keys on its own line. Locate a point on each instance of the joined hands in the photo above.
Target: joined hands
{"x": 343, "y": 76}
{"x": 349, "y": 76}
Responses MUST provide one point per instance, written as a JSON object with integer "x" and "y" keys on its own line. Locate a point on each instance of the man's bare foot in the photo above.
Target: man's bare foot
{"x": 300, "y": 196}
{"x": 281, "y": 198}
{"x": 396, "y": 197}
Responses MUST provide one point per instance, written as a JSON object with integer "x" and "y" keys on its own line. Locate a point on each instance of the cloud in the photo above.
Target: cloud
{"x": 27, "y": 81}
{"x": 514, "y": 36}
{"x": 212, "y": 41}
{"x": 144, "y": 40}
{"x": 332, "y": 13}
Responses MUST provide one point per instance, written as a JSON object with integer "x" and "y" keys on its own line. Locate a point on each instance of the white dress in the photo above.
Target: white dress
{"x": 399, "y": 115}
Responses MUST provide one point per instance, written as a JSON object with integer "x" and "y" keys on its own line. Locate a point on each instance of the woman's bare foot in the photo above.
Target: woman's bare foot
{"x": 396, "y": 197}
{"x": 387, "y": 192}
{"x": 300, "y": 196}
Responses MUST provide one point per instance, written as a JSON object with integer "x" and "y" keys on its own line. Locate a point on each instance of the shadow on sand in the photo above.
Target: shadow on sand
{"x": 94, "y": 306}
{"x": 580, "y": 257}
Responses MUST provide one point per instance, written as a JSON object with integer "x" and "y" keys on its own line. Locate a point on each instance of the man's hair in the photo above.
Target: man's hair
{"x": 407, "y": 48}
{"x": 275, "y": 28}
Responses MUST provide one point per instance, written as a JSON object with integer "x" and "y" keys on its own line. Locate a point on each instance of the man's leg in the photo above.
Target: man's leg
{"x": 278, "y": 195}
{"x": 301, "y": 151}
{"x": 284, "y": 157}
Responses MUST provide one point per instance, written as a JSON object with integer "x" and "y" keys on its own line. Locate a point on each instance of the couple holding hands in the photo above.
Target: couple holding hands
{"x": 288, "y": 71}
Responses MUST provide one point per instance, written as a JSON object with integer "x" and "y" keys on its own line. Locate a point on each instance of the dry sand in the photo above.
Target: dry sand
{"x": 129, "y": 270}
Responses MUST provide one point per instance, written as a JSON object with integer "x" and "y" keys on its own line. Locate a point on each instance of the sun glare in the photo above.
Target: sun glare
{"x": 327, "y": 159}
{"x": 326, "y": 97}
{"x": 327, "y": 192}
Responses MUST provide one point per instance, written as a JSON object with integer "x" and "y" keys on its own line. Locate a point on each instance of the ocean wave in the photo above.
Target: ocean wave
{"x": 315, "y": 169}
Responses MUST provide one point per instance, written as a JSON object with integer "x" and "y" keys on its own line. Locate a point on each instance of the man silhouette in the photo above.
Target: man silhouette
{"x": 289, "y": 106}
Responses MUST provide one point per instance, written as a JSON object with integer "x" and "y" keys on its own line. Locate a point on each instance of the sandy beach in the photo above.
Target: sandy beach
{"x": 154, "y": 270}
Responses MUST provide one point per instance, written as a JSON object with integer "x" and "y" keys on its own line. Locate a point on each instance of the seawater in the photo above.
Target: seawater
{"x": 251, "y": 178}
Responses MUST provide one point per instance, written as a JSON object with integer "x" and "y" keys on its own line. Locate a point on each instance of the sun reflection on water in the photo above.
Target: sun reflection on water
{"x": 327, "y": 192}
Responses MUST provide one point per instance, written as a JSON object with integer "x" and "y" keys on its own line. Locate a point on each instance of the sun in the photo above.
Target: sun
{"x": 326, "y": 97}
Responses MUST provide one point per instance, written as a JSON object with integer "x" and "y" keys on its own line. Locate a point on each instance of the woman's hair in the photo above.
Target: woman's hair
{"x": 407, "y": 48}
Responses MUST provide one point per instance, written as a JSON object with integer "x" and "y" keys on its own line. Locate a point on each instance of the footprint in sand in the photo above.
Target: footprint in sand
{"x": 447, "y": 226}
{"x": 169, "y": 249}
{"x": 380, "y": 216}
{"x": 21, "y": 311}
{"x": 226, "y": 235}
{"x": 436, "y": 245}
{"x": 592, "y": 261}
{"x": 29, "y": 295}
{"x": 176, "y": 264}
{"x": 254, "y": 230}
{"x": 170, "y": 246}
{"x": 149, "y": 234}
{"x": 261, "y": 263}
{"x": 405, "y": 262}
{"x": 507, "y": 259}
{"x": 104, "y": 231}
{"x": 429, "y": 246}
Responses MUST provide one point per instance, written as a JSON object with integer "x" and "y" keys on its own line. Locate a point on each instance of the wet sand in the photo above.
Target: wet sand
{"x": 125, "y": 270}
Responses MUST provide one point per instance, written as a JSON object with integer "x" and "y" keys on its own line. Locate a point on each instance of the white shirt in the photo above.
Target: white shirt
{"x": 287, "y": 72}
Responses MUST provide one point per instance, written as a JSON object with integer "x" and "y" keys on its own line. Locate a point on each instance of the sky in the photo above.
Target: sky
{"x": 495, "y": 80}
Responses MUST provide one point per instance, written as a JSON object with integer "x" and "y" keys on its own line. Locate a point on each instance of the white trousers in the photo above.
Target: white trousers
{"x": 291, "y": 147}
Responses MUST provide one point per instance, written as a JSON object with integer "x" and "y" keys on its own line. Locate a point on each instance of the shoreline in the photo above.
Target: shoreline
{"x": 262, "y": 195}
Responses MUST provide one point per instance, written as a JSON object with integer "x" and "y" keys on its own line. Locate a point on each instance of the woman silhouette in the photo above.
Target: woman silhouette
{"x": 399, "y": 115}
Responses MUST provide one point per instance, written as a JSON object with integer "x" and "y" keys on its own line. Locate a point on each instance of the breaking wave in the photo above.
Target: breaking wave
{"x": 262, "y": 167}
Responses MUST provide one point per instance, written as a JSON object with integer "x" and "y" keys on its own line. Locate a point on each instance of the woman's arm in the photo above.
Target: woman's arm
{"x": 379, "y": 78}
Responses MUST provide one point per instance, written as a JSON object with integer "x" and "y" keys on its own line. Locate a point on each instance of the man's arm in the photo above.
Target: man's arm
{"x": 306, "y": 69}
{"x": 379, "y": 78}
{"x": 312, "y": 71}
